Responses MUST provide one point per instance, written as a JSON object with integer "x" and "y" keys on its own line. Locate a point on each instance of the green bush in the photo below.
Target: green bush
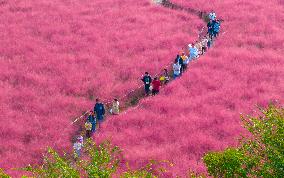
{"x": 259, "y": 155}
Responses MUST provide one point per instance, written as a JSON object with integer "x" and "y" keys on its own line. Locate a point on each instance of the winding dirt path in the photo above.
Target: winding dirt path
{"x": 131, "y": 99}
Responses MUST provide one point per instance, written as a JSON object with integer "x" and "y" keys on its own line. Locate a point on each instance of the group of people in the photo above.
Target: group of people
{"x": 93, "y": 120}
{"x": 182, "y": 60}
{"x": 213, "y": 25}
{"x": 152, "y": 86}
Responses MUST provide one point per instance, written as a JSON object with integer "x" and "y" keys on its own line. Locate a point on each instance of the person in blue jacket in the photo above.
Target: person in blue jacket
{"x": 92, "y": 119}
{"x": 99, "y": 109}
{"x": 216, "y": 28}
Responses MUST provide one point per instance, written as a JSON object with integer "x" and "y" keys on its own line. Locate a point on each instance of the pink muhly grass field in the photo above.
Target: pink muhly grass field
{"x": 201, "y": 111}
{"x": 58, "y": 56}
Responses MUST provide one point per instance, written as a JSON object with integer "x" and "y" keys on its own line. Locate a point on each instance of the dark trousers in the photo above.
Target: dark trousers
{"x": 154, "y": 92}
{"x": 184, "y": 67}
{"x": 203, "y": 49}
{"x": 88, "y": 133}
{"x": 147, "y": 89}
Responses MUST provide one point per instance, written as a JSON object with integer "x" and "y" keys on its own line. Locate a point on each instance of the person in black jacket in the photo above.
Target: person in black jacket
{"x": 147, "y": 80}
{"x": 100, "y": 110}
{"x": 210, "y": 28}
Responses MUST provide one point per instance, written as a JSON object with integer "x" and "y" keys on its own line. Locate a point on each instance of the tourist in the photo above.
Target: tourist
{"x": 209, "y": 43}
{"x": 100, "y": 110}
{"x": 88, "y": 127}
{"x": 147, "y": 80}
{"x": 93, "y": 120}
{"x": 204, "y": 44}
{"x": 185, "y": 61}
{"x": 115, "y": 107}
{"x": 193, "y": 52}
{"x": 210, "y": 28}
{"x": 216, "y": 28}
{"x": 198, "y": 46}
{"x": 165, "y": 76}
{"x": 176, "y": 69}
{"x": 77, "y": 146}
{"x": 180, "y": 61}
{"x": 156, "y": 86}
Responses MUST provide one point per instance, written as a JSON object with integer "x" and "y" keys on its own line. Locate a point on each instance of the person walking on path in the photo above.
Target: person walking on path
{"x": 115, "y": 107}
{"x": 77, "y": 146}
{"x": 185, "y": 61}
{"x": 165, "y": 78}
{"x": 147, "y": 80}
{"x": 180, "y": 61}
{"x": 100, "y": 110}
{"x": 176, "y": 69}
{"x": 92, "y": 119}
{"x": 216, "y": 28}
{"x": 204, "y": 42}
{"x": 210, "y": 25}
{"x": 156, "y": 86}
{"x": 193, "y": 52}
{"x": 88, "y": 127}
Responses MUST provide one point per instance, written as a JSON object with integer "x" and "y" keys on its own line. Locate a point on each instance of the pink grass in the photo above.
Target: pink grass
{"x": 57, "y": 56}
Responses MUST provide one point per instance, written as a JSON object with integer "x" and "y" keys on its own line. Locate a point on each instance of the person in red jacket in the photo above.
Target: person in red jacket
{"x": 156, "y": 86}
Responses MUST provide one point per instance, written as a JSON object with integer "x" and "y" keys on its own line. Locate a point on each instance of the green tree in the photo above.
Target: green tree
{"x": 54, "y": 166}
{"x": 101, "y": 160}
{"x": 3, "y": 174}
{"x": 97, "y": 161}
{"x": 259, "y": 155}
{"x": 153, "y": 169}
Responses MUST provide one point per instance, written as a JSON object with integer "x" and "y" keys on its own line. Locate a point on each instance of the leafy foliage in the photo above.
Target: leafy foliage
{"x": 98, "y": 161}
{"x": 102, "y": 160}
{"x": 260, "y": 155}
{"x": 152, "y": 170}
{"x": 54, "y": 166}
{"x": 3, "y": 174}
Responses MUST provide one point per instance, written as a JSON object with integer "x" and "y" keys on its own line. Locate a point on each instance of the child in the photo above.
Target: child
{"x": 92, "y": 119}
{"x": 165, "y": 78}
{"x": 77, "y": 147}
{"x": 88, "y": 127}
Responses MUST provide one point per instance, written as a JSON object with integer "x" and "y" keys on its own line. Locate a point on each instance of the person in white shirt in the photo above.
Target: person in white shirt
{"x": 115, "y": 107}
{"x": 204, "y": 42}
{"x": 212, "y": 15}
{"x": 193, "y": 52}
{"x": 77, "y": 146}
